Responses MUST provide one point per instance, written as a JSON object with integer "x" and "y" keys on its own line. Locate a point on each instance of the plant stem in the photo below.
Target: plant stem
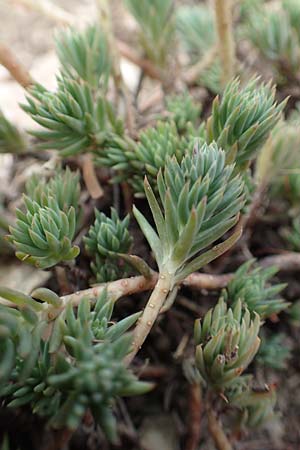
{"x": 216, "y": 430}
{"x": 194, "y": 72}
{"x": 223, "y": 17}
{"x": 48, "y": 9}
{"x": 115, "y": 289}
{"x": 145, "y": 64}
{"x": 199, "y": 280}
{"x": 194, "y": 418}
{"x": 151, "y": 311}
{"x": 90, "y": 178}
{"x": 106, "y": 22}
{"x": 15, "y": 68}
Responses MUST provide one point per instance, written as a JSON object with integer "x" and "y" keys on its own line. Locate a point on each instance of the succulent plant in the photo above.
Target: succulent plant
{"x": 292, "y": 235}
{"x": 79, "y": 366}
{"x": 85, "y": 55}
{"x": 132, "y": 161}
{"x": 107, "y": 240}
{"x": 195, "y": 25}
{"x": 242, "y": 119}
{"x": 11, "y": 140}
{"x": 255, "y": 405}
{"x": 183, "y": 110}
{"x": 43, "y": 234}
{"x": 274, "y": 351}
{"x": 73, "y": 121}
{"x": 272, "y": 33}
{"x": 64, "y": 186}
{"x": 226, "y": 342}
{"x": 156, "y": 23}
{"x": 250, "y": 286}
{"x": 200, "y": 201}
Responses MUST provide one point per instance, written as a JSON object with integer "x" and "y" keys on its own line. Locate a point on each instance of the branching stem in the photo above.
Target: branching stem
{"x": 195, "y": 71}
{"x": 151, "y": 311}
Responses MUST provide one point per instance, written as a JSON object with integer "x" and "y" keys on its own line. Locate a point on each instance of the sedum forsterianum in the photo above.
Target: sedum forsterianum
{"x": 157, "y": 28}
{"x": 76, "y": 365}
{"x": 85, "y": 55}
{"x": 250, "y": 286}
{"x": 64, "y": 186}
{"x": 227, "y": 341}
{"x": 254, "y": 407}
{"x": 11, "y": 140}
{"x": 43, "y": 233}
{"x": 272, "y": 33}
{"x": 183, "y": 110}
{"x": 106, "y": 240}
{"x": 148, "y": 155}
{"x": 200, "y": 201}
{"x": 73, "y": 121}
{"x": 241, "y": 120}
{"x": 292, "y": 235}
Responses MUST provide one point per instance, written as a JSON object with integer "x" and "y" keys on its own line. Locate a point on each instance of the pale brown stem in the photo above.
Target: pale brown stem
{"x": 194, "y": 72}
{"x": 217, "y": 433}
{"x": 195, "y": 414}
{"x": 134, "y": 285}
{"x": 224, "y": 27}
{"x": 205, "y": 281}
{"x": 151, "y": 311}
{"x": 49, "y": 10}
{"x": 106, "y": 21}
{"x": 115, "y": 289}
{"x": 15, "y": 68}
{"x": 90, "y": 178}
{"x": 147, "y": 67}
{"x": 286, "y": 262}
{"x": 62, "y": 17}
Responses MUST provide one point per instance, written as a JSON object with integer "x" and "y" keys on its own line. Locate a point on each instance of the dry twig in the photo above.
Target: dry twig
{"x": 15, "y": 68}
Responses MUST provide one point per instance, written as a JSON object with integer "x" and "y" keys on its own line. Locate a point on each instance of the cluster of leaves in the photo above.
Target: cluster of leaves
{"x": 251, "y": 288}
{"x": 273, "y": 351}
{"x": 183, "y": 111}
{"x": 254, "y": 406}
{"x": 156, "y": 28}
{"x": 292, "y": 235}
{"x": 11, "y": 140}
{"x": 147, "y": 156}
{"x": 226, "y": 342}
{"x": 43, "y": 233}
{"x": 278, "y": 164}
{"x": 275, "y": 33}
{"x": 73, "y": 121}
{"x": 196, "y": 32}
{"x": 76, "y": 366}
{"x": 85, "y": 55}
{"x": 62, "y": 361}
{"x": 200, "y": 202}
{"x": 106, "y": 241}
{"x": 242, "y": 120}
